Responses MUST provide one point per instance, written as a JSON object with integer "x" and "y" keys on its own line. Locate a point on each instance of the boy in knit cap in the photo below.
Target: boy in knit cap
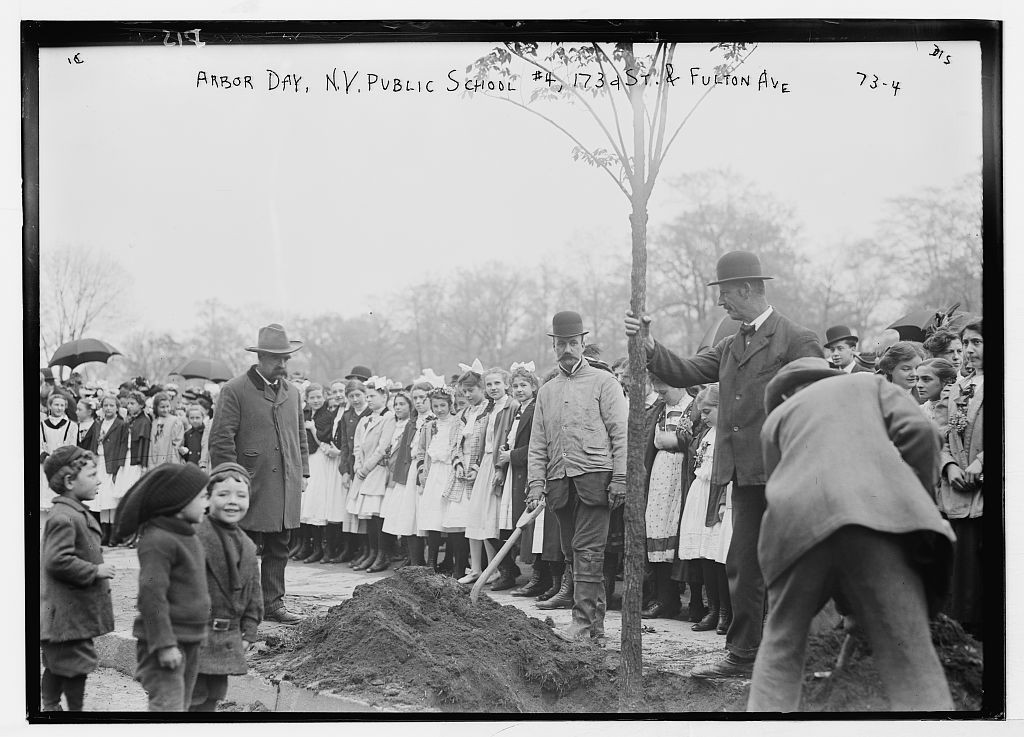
{"x": 233, "y": 580}
{"x": 174, "y": 605}
{"x": 74, "y": 595}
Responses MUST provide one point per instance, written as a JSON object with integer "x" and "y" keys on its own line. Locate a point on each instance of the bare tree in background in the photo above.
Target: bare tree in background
{"x": 80, "y": 289}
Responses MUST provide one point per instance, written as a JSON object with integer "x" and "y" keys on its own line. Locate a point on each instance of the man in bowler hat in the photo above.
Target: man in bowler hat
{"x": 259, "y": 425}
{"x": 841, "y": 347}
{"x": 577, "y": 463}
{"x": 743, "y": 364}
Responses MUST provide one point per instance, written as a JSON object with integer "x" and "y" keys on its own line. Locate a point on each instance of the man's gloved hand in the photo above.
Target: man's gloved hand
{"x": 616, "y": 494}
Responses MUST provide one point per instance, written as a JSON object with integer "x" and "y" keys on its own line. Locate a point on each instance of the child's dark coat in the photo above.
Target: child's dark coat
{"x": 238, "y": 607}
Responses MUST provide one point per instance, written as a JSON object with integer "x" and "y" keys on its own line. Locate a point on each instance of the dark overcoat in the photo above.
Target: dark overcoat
{"x": 519, "y": 454}
{"x": 237, "y": 599}
{"x": 742, "y": 374}
{"x": 263, "y": 430}
{"x": 73, "y": 603}
{"x": 115, "y": 446}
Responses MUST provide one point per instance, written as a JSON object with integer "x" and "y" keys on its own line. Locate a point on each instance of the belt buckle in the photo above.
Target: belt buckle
{"x": 221, "y": 625}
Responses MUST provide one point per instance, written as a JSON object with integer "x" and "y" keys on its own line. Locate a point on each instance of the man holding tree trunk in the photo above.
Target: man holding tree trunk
{"x": 743, "y": 364}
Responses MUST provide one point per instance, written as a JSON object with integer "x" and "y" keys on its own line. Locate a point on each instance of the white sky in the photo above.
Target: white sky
{"x": 585, "y": 203}
{"x": 320, "y": 201}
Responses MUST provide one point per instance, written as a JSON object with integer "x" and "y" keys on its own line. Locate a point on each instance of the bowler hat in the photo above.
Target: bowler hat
{"x": 359, "y": 372}
{"x": 738, "y": 266}
{"x": 837, "y": 333}
{"x": 793, "y": 374}
{"x": 273, "y": 339}
{"x": 566, "y": 324}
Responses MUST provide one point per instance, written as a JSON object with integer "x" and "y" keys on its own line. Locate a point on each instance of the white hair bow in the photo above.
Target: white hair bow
{"x": 477, "y": 367}
{"x": 528, "y": 366}
{"x": 380, "y": 383}
{"x": 431, "y": 378}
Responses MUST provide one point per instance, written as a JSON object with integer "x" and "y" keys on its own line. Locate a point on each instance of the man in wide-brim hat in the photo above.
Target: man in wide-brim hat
{"x": 577, "y": 464}
{"x": 743, "y": 364}
{"x": 259, "y": 425}
{"x": 850, "y": 516}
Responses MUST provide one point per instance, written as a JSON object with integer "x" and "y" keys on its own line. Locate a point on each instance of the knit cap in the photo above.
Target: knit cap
{"x": 60, "y": 458}
{"x": 164, "y": 491}
{"x": 227, "y": 468}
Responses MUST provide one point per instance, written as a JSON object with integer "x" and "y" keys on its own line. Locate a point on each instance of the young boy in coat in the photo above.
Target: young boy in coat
{"x": 850, "y": 515}
{"x": 233, "y": 580}
{"x": 165, "y": 505}
{"x": 74, "y": 593}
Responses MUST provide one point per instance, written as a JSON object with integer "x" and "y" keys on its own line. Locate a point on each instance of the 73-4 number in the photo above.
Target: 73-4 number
{"x": 875, "y": 83}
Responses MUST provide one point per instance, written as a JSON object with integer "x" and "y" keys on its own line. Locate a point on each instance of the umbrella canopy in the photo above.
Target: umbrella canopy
{"x": 84, "y": 350}
{"x": 211, "y": 369}
{"x": 721, "y": 328}
{"x": 919, "y": 324}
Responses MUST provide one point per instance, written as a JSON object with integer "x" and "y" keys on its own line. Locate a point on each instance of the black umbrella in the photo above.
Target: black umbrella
{"x": 721, "y": 328}
{"x": 919, "y": 324}
{"x": 211, "y": 369}
{"x": 84, "y": 350}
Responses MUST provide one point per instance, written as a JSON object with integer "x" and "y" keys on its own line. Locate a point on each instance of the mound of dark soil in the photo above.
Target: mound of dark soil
{"x": 417, "y": 633}
{"x": 857, "y": 686}
{"x": 415, "y": 638}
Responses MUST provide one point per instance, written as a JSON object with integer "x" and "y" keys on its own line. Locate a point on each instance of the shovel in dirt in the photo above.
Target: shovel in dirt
{"x": 527, "y": 517}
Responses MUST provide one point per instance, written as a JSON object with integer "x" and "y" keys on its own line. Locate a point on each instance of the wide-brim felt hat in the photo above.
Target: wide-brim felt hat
{"x": 837, "y": 333}
{"x": 793, "y": 374}
{"x": 359, "y": 372}
{"x": 273, "y": 339}
{"x": 567, "y": 324}
{"x": 738, "y": 266}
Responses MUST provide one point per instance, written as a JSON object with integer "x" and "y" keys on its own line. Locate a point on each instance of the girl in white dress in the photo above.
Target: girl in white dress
{"x": 467, "y": 451}
{"x": 110, "y": 459}
{"x": 313, "y": 507}
{"x": 482, "y": 524}
{"x": 436, "y": 442}
{"x": 698, "y": 539}
{"x": 55, "y": 431}
{"x": 373, "y": 436}
{"x": 399, "y": 507}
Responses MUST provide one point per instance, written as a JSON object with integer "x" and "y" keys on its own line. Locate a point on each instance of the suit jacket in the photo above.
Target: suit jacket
{"x": 742, "y": 374}
{"x": 345, "y": 438}
{"x": 373, "y": 436}
{"x": 237, "y": 598}
{"x": 963, "y": 449}
{"x": 73, "y": 603}
{"x": 115, "y": 446}
{"x": 519, "y": 453}
{"x": 819, "y": 480}
{"x": 263, "y": 430}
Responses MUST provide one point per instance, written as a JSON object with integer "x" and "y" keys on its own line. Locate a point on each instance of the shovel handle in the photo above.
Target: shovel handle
{"x": 525, "y": 519}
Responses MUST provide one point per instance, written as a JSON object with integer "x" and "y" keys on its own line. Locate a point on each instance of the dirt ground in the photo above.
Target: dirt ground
{"x": 414, "y": 640}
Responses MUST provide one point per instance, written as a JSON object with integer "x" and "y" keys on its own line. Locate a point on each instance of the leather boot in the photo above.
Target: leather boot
{"x": 296, "y": 541}
{"x": 538, "y": 584}
{"x": 380, "y": 563}
{"x": 365, "y": 560}
{"x": 317, "y": 553}
{"x": 709, "y": 622}
{"x": 330, "y": 544}
{"x": 563, "y": 599}
{"x": 554, "y": 588}
{"x": 724, "y": 620}
{"x": 105, "y": 540}
{"x": 306, "y": 550}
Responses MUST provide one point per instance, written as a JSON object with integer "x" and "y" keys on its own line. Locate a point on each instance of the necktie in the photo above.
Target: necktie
{"x": 746, "y": 329}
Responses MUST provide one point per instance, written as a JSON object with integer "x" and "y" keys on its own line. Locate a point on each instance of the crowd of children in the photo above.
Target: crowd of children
{"x": 402, "y": 473}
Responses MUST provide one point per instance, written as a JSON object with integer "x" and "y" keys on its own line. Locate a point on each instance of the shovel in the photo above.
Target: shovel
{"x": 528, "y": 517}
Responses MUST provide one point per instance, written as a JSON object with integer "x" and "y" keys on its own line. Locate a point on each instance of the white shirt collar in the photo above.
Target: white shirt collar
{"x": 758, "y": 321}
{"x": 265, "y": 379}
{"x": 849, "y": 367}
